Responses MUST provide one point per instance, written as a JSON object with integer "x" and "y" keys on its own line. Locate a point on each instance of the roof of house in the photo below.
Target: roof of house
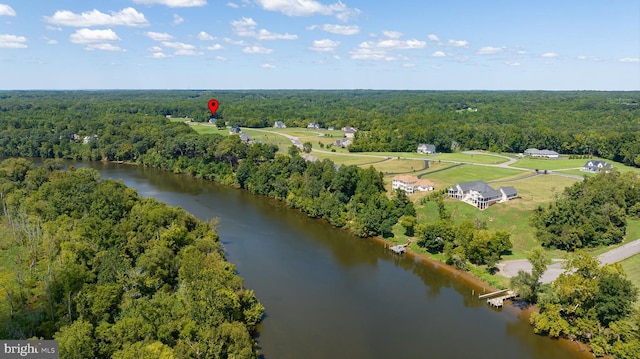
{"x": 540, "y": 152}
{"x": 481, "y": 187}
{"x": 509, "y": 191}
{"x": 596, "y": 163}
{"x": 413, "y": 180}
{"x": 428, "y": 147}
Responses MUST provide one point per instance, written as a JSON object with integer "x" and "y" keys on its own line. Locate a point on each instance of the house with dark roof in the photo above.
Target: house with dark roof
{"x": 597, "y": 166}
{"x": 245, "y": 138}
{"x": 349, "y": 131}
{"x": 426, "y": 148}
{"x": 480, "y": 194}
{"x": 235, "y": 130}
{"x": 279, "y": 124}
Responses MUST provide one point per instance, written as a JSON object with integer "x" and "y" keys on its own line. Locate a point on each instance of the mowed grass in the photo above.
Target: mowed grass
{"x": 466, "y": 173}
{"x": 394, "y": 165}
{"x": 486, "y": 159}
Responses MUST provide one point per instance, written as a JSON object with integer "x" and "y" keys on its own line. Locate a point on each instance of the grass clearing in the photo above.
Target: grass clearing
{"x": 470, "y": 158}
{"x": 466, "y": 173}
{"x": 393, "y": 165}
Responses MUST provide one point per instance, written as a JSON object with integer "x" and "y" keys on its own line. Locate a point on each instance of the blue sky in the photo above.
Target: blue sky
{"x": 320, "y": 44}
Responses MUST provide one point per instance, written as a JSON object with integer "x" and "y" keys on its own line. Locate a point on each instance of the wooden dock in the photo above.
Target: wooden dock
{"x": 400, "y": 248}
{"x": 496, "y": 299}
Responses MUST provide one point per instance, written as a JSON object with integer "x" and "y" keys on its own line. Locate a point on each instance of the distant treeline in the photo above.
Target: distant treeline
{"x": 604, "y": 124}
{"x": 347, "y": 196}
{"x": 110, "y": 274}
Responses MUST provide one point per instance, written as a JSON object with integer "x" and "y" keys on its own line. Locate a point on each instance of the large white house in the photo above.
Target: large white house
{"x": 534, "y": 152}
{"x": 480, "y": 194}
{"x": 597, "y": 166}
{"x": 426, "y": 148}
{"x": 411, "y": 184}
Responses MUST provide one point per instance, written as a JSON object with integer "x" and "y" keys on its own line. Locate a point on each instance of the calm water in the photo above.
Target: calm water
{"x": 329, "y": 294}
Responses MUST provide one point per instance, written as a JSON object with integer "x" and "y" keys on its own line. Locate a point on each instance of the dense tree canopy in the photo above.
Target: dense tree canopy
{"x": 589, "y": 213}
{"x": 110, "y": 274}
{"x": 603, "y": 124}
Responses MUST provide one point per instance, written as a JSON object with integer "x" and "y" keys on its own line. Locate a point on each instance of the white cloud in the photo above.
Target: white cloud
{"x": 155, "y": 49}
{"x": 381, "y": 50}
{"x": 513, "y": 63}
{"x": 53, "y": 28}
{"x": 205, "y": 37}
{"x": 177, "y": 20}
{"x": 459, "y": 43}
{"x": 325, "y": 45}
{"x": 158, "y": 36}
{"x": 408, "y": 65}
{"x": 234, "y": 42}
{"x": 433, "y": 37}
{"x": 104, "y": 47}
{"x": 50, "y": 41}
{"x": 215, "y": 47}
{"x": 550, "y": 55}
{"x": 337, "y": 29}
{"x": 125, "y": 17}
{"x": 6, "y": 10}
{"x": 12, "y": 41}
{"x": 630, "y": 59}
{"x": 267, "y": 66}
{"x": 392, "y": 34}
{"x": 246, "y": 27}
{"x": 158, "y": 55}
{"x": 88, "y": 36}
{"x": 257, "y": 50}
{"x": 521, "y": 52}
{"x": 232, "y": 5}
{"x": 178, "y": 45}
{"x": 489, "y": 50}
{"x": 589, "y": 58}
{"x": 220, "y": 58}
{"x": 173, "y": 3}
{"x": 309, "y": 8}
{"x": 438, "y": 54}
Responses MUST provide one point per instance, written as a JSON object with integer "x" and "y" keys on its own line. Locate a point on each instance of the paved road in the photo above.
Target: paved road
{"x": 510, "y": 268}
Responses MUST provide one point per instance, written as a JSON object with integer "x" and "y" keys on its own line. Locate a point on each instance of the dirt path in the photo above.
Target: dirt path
{"x": 510, "y": 268}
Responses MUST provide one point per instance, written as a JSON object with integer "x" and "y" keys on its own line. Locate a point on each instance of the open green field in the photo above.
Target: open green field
{"x": 466, "y": 173}
{"x": 396, "y": 166}
{"x": 346, "y": 159}
{"x": 486, "y": 159}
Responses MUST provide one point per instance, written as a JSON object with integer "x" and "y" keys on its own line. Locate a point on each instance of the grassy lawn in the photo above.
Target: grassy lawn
{"x": 549, "y": 164}
{"x": 471, "y": 158}
{"x": 466, "y": 173}
{"x": 399, "y": 166}
{"x": 342, "y": 159}
{"x": 631, "y": 266}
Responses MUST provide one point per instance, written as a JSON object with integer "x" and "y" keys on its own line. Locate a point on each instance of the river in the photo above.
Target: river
{"x": 329, "y": 294}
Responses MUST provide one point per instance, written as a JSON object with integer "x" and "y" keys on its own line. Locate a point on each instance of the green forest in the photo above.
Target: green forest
{"x": 108, "y": 273}
{"x": 603, "y": 124}
{"x": 66, "y": 228}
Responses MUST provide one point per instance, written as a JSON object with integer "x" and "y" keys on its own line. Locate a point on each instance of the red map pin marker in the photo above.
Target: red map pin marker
{"x": 213, "y": 106}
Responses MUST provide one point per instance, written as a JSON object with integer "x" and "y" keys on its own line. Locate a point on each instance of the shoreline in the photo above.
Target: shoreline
{"x": 466, "y": 277}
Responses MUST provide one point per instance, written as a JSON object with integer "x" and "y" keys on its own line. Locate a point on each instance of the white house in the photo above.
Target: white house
{"x": 313, "y": 125}
{"x": 279, "y": 124}
{"x": 343, "y": 142}
{"x": 426, "y": 149}
{"x": 597, "y": 166}
{"x": 480, "y": 194}
{"x": 411, "y": 184}
{"x": 534, "y": 152}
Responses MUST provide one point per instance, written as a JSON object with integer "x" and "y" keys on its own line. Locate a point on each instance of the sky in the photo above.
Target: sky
{"x": 320, "y": 44}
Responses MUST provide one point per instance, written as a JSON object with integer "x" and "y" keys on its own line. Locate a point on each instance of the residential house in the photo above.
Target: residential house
{"x": 597, "y": 166}
{"x": 279, "y": 124}
{"x": 411, "y": 184}
{"x": 534, "y": 152}
{"x": 330, "y": 128}
{"x": 343, "y": 142}
{"x": 313, "y": 125}
{"x": 212, "y": 121}
{"x": 426, "y": 149}
{"x": 349, "y": 131}
{"x": 309, "y": 157}
{"x": 235, "y": 130}
{"x": 245, "y": 138}
{"x": 480, "y": 194}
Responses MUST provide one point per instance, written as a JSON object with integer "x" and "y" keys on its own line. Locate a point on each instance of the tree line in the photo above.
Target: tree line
{"x": 110, "y": 274}
{"x": 603, "y": 124}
